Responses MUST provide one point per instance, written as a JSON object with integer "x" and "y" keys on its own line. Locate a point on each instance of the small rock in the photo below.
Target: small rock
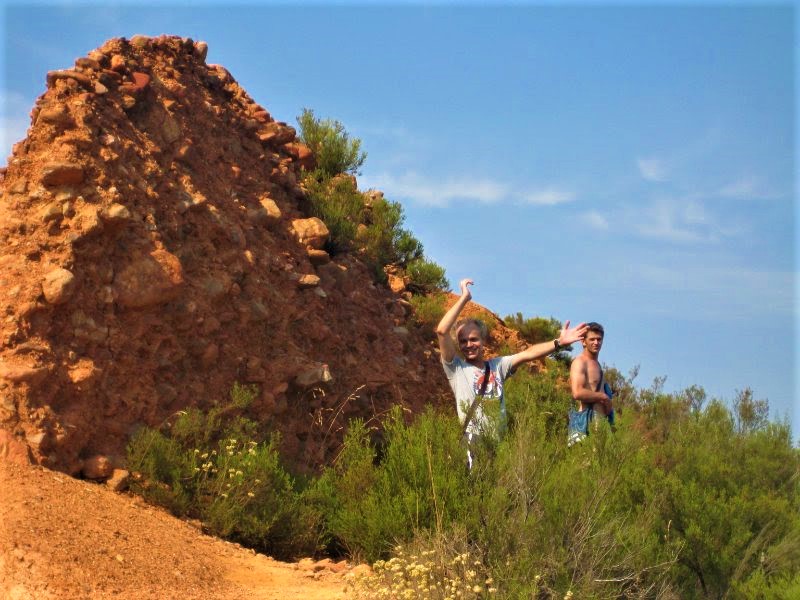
{"x": 12, "y": 449}
{"x": 53, "y": 76}
{"x": 118, "y": 482}
{"x": 117, "y": 63}
{"x": 115, "y": 213}
{"x": 62, "y": 173}
{"x": 308, "y": 281}
{"x": 87, "y": 63}
{"x": 58, "y": 286}
{"x": 314, "y": 376}
{"x": 100, "y": 89}
{"x": 310, "y": 232}
{"x": 201, "y": 50}
{"x": 140, "y": 81}
{"x": 149, "y": 280}
{"x": 318, "y": 257}
{"x": 56, "y": 114}
{"x": 97, "y": 467}
{"x": 52, "y": 211}
{"x": 22, "y": 373}
{"x": 170, "y": 129}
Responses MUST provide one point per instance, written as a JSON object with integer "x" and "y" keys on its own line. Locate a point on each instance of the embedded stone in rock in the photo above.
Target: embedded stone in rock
{"x": 117, "y": 63}
{"x": 22, "y": 373}
{"x": 118, "y": 482}
{"x": 115, "y": 213}
{"x": 302, "y": 155}
{"x": 97, "y": 467}
{"x": 170, "y": 129}
{"x": 82, "y": 79}
{"x": 314, "y": 376}
{"x": 149, "y": 279}
{"x": 310, "y": 232}
{"x": 86, "y": 62}
{"x": 56, "y": 114}
{"x": 140, "y": 81}
{"x": 58, "y": 286}
{"x": 397, "y": 284}
{"x": 266, "y": 213}
{"x": 308, "y": 281}
{"x": 201, "y": 49}
{"x": 318, "y": 257}
{"x": 13, "y": 450}
{"x": 277, "y": 134}
{"x": 62, "y": 173}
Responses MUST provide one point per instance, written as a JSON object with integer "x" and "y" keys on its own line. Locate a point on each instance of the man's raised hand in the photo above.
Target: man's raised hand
{"x": 568, "y": 336}
{"x": 464, "y": 285}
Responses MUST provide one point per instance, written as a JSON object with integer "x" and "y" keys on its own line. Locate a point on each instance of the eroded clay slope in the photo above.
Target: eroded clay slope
{"x": 155, "y": 251}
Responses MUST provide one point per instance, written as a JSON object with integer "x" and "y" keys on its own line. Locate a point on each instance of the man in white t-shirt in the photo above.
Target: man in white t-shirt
{"x": 469, "y": 376}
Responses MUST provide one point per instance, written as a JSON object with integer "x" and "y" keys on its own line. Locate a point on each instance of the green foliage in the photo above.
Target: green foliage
{"x": 535, "y": 329}
{"x": 337, "y": 202}
{"x": 383, "y": 239}
{"x": 213, "y": 466}
{"x": 419, "y": 483}
{"x": 334, "y": 150}
{"x": 688, "y": 499}
{"x": 428, "y": 309}
{"x": 539, "y": 329}
{"x": 426, "y": 276}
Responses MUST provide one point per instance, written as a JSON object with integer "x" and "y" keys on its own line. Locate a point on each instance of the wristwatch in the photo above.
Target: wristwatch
{"x": 556, "y": 345}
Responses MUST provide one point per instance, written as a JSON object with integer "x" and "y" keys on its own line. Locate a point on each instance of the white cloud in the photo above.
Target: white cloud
{"x": 438, "y": 193}
{"x": 549, "y": 196}
{"x": 652, "y": 169}
{"x": 442, "y": 192}
{"x": 594, "y": 220}
{"x": 679, "y": 222}
{"x": 747, "y": 188}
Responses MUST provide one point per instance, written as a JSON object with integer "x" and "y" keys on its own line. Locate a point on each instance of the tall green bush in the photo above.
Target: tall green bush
{"x": 215, "y": 467}
{"x": 334, "y": 150}
{"x": 417, "y": 482}
{"x": 426, "y": 276}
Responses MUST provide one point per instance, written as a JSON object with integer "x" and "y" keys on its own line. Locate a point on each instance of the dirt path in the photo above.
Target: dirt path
{"x": 65, "y": 538}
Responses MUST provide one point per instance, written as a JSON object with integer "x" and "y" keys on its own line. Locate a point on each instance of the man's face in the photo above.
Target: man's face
{"x": 593, "y": 342}
{"x": 470, "y": 342}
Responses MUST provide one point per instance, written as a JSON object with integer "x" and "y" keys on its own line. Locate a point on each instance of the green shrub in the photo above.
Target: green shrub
{"x": 384, "y": 241}
{"x": 337, "y": 202}
{"x": 335, "y": 152}
{"x": 419, "y": 482}
{"x": 426, "y": 276}
{"x": 428, "y": 309}
{"x": 215, "y": 467}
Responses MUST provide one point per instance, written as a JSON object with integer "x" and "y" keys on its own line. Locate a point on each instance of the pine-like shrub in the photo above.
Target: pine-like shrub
{"x": 426, "y": 276}
{"x": 334, "y": 150}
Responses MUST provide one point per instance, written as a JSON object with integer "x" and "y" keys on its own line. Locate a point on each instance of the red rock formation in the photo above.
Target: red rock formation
{"x": 154, "y": 252}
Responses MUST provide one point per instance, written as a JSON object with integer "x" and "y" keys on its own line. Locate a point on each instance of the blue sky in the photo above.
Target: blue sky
{"x": 633, "y": 165}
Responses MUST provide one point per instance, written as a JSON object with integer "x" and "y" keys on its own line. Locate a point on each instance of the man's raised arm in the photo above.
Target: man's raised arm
{"x": 565, "y": 338}
{"x": 446, "y": 345}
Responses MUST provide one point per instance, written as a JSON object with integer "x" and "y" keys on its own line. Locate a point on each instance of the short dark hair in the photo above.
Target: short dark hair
{"x": 596, "y": 328}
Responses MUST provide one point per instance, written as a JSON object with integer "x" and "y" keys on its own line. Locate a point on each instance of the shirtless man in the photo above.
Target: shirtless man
{"x": 466, "y": 375}
{"x": 586, "y": 375}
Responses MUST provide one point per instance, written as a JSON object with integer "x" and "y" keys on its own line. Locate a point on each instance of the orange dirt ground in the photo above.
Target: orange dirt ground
{"x": 53, "y": 547}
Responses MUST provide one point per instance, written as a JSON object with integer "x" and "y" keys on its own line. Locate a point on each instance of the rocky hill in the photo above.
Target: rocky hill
{"x": 155, "y": 252}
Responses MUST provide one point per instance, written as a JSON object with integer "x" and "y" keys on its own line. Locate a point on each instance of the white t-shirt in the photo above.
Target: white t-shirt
{"x": 466, "y": 381}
